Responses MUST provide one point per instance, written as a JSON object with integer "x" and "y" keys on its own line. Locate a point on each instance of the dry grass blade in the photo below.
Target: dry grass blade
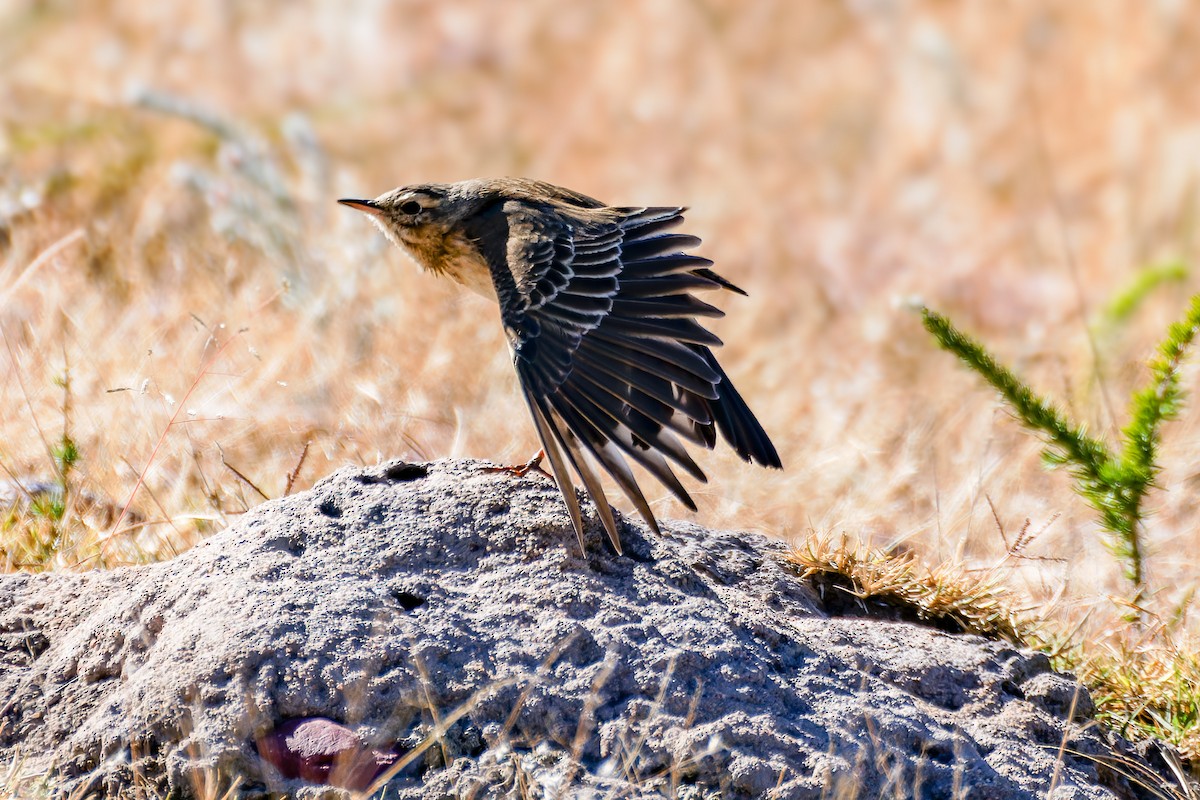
{"x": 205, "y": 367}
{"x": 436, "y": 736}
{"x": 42, "y": 259}
{"x": 583, "y": 729}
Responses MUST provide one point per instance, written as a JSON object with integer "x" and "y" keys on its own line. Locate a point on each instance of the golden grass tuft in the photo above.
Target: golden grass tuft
{"x": 883, "y": 584}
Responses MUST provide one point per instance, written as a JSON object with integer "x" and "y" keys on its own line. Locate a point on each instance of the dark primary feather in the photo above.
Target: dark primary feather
{"x": 611, "y": 359}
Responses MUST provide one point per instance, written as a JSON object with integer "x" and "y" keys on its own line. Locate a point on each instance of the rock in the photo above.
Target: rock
{"x": 320, "y": 750}
{"x": 442, "y": 617}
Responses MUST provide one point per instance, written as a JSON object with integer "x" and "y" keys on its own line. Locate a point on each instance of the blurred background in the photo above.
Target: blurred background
{"x": 182, "y": 300}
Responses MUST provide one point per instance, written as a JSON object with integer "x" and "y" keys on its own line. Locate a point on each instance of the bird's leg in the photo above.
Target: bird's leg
{"x": 521, "y": 470}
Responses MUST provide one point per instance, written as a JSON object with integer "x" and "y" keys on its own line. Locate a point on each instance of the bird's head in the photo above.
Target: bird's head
{"x": 433, "y": 223}
{"x": 438, "y": 223}
{"x": 417, "y": 217}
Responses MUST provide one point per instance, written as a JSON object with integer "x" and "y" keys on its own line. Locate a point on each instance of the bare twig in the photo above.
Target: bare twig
{"x": 241, "y": 475}
{"x": 295, "y": 473}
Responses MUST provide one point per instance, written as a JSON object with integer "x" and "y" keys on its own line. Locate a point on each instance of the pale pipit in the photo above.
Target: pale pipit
{"x": 597, "y": 305}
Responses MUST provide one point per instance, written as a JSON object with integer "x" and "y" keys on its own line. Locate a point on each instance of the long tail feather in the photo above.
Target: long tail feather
{"x": 557, "y": 467}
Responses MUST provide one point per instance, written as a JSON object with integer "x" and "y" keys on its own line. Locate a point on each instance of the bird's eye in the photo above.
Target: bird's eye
{"x": 410, "y": 207}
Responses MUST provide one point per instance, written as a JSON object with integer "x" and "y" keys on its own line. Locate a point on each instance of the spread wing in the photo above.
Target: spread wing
{"x": 611, "y": 359}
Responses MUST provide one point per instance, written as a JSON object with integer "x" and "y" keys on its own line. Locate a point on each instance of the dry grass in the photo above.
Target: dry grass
{"x": 169, "y": 241}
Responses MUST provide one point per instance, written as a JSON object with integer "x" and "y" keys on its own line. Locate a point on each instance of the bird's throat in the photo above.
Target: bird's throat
{"x": 455, "y": 257}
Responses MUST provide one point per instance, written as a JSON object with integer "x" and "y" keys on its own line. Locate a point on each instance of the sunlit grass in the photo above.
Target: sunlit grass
{"x": 169, "y": 240}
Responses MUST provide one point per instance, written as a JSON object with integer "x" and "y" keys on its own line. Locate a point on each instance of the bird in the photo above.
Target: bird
{"x": 599, "y": 310}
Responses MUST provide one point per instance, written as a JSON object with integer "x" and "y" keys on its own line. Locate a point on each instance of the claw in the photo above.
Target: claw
{"x": 521, "y": 470}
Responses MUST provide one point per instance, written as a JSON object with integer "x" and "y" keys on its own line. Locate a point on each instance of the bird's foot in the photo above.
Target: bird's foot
{"x": 521, "y": 470}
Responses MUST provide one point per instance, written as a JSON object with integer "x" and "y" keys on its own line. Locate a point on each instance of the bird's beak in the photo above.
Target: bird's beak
{"x": 365, "y": 206}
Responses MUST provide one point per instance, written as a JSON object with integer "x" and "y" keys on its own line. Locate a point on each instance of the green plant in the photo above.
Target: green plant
{"x": 1114, "y": 482}
{"x": 37, "y": 524}
{"x": 1126, "y": 301}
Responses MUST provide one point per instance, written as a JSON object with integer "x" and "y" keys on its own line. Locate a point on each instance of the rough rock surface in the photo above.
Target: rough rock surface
{"x": 445, "y": 614}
